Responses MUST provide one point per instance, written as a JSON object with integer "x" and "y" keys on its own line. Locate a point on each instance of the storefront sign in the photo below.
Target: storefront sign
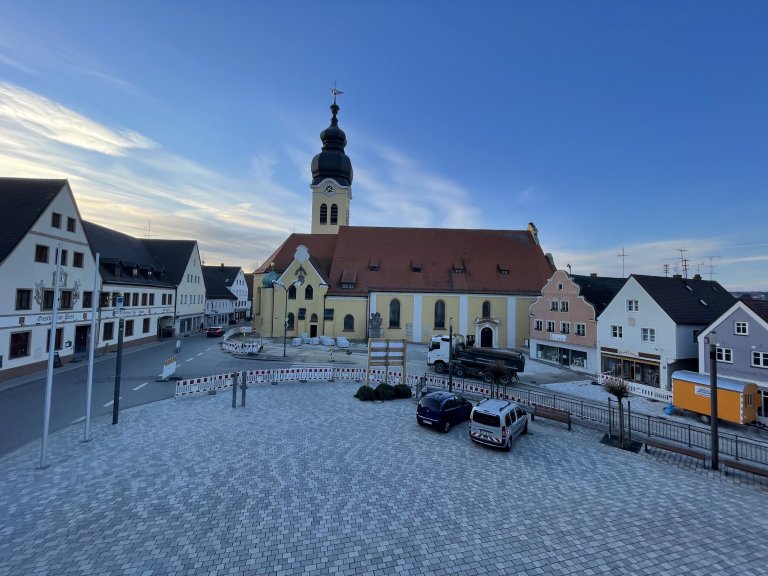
{"x": 558, "y": 337}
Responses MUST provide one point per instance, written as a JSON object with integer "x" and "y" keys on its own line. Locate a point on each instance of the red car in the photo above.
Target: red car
{"x": 215, "y": 331}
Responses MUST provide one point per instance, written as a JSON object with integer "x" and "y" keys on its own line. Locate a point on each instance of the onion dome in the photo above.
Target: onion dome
{"x": 332, "y": 162}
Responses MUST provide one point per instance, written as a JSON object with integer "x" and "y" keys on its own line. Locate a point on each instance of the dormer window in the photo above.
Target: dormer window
{"x": 135, "y": 271}
{"x": 415, "y": 266}
{"x": 373, "y": 266}
{"x": 348, "y": 279}
{"x": 503, "y": 269}
{"x": 458, "y": 268}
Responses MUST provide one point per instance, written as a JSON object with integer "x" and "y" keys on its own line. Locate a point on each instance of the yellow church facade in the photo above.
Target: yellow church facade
{"x": 410, "y": 283}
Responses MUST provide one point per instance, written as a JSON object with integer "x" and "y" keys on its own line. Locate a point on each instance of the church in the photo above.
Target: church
{"x": 409, "y": 283}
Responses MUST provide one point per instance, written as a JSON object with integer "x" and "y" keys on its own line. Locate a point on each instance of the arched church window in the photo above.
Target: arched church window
{"x": 292, "y": 292}
{"x": 486, "y": 309}
{"x": 323, "y": 213}
{"x": 313, "y": 318}
{"x": 309, "y": 293}
{"x": 334, "y": 214}
{"x": 394, "y": 314}
{"x": 349, "y": 323}
{"x": 439, "y": 314}
{"x": 290, "y": 321}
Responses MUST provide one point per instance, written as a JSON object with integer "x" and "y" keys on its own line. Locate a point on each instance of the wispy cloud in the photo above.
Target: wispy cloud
{"x": 396, "y": 191}
{"x": 121, "y": 179}
{"x": 55, "y": 122}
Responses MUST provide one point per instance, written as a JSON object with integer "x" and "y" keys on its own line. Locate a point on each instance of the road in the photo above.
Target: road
{"x": 22, "y": 406}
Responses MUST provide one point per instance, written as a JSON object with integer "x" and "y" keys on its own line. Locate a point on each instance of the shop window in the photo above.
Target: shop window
{"x": 145, "y": 326}
{"x": 57, "y": 343}
{"x": 129, "y": 327}
{"x": 109, "y": 331}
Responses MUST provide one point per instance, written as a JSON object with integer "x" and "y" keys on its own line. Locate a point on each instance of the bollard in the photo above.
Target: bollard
{"x": 234, "y": 389}
{"x": 243, "y": 388}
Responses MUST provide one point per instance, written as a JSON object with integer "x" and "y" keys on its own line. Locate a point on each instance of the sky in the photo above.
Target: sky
{"x": 616, "y": 127}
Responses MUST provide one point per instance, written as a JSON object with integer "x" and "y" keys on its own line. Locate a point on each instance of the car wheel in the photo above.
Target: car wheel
{"x": 504, "y": 380}
{"x": 446, "y": 426}
{"x": 459, "y": 372}
{"x": 420, "y": 421}
{"x": 508, "y": 445}
{"x": 440, "y": 368}
{"x": 487, "y": 377}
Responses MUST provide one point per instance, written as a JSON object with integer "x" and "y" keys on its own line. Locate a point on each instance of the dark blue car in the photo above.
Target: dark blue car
{"x": 442, "y": 410}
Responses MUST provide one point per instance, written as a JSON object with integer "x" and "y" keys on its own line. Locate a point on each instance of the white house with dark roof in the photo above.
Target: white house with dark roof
{"x": 129, "y": 269}
{"x": 36, "y": 216}
{"x": 226, "y": 295}
{"x": 651, "y": 327}
{"x": 181, "y": 259}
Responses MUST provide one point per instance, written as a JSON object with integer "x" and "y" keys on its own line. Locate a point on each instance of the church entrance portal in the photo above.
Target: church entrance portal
{"x": 486, "y": 338}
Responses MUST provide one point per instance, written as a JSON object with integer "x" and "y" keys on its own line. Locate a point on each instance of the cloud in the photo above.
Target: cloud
{"x": 55, "y": 122}
{"x": 121, "y": 180}
{"x": 396, "y": 191}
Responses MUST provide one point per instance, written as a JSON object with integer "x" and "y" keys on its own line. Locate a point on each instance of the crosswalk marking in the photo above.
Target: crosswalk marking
{"x": 140, "y": 386}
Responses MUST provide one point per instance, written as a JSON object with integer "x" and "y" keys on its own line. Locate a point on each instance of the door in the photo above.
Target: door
{"x": 81, "y": 339}
{"x": 313, "y": 331}
{"x": 486, "y": 338}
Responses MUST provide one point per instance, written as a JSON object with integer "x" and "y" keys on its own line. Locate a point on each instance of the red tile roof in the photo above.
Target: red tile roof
{"x": 484, "y": 254}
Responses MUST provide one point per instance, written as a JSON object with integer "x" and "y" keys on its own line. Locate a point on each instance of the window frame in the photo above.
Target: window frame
{"x": 759, "y": 359}
{"x": 633, "y": 305}
{"x": 538, "y": 325}
{"x": 724, "y": 355}
{"x": 42, "y": 253}
{"x": 394, "y": 313}
{"x": 439, "y": 316}
{"x": 617, "y": 331}
{"x": 583, "y": 331}
{"x": 349, "y": 323}
{"x": 741, "y": 328}
{"x": 23, "y": 296}
{"x": 19, "y": 349}
{"x": 648, "y": 335}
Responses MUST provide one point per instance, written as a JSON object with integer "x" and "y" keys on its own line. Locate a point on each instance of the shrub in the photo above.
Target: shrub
{"x": 385, "y": 391}
{"x": 403, "y": 391}
{"x": 365, "y": 393}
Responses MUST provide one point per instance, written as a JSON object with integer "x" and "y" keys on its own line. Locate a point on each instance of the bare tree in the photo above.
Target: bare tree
{"x": 618, "y": 388}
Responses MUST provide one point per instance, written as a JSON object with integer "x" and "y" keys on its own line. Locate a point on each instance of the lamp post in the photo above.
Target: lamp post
{"x": 119, "y": 359}
{"x": 298, "y": 282}
{"x": 714, "y": 441}
{"x": 450, "y": 354}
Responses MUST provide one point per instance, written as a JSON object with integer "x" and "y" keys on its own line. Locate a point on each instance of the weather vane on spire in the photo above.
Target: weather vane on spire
{"x": 335, "y": 91}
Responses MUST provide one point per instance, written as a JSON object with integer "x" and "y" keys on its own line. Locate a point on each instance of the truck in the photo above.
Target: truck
{"x": 470, "y": 360}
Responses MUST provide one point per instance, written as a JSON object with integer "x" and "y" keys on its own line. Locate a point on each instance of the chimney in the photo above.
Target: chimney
{"x": 697, "y": 276}
{"x": 593, "y": 274}
{"x": 679, "y": 276}
{"x": 534, "y": 232}
{"x": 222, "y": 264}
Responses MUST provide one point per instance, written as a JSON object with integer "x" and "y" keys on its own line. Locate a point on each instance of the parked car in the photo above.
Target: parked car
{"x": 497, "y": 423}
{"x": 442, "y": 410}
{"x": 214, "y": 331}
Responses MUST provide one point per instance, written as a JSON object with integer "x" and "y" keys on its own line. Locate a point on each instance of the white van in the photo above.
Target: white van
{"x": 497, "y": 423}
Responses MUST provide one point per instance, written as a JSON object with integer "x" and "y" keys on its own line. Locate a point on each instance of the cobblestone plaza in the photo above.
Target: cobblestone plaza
{"x": 308, "y": 480}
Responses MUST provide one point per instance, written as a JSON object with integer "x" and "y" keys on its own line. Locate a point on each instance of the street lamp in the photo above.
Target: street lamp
{"x": 298, "y": 282}
{"x": 119, "y": 360}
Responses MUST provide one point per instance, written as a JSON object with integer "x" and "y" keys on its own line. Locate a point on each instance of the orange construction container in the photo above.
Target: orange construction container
{"x": 736, "y": 400}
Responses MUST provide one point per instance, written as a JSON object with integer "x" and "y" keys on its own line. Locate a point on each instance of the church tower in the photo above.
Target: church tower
{"x": 331, "y": 179}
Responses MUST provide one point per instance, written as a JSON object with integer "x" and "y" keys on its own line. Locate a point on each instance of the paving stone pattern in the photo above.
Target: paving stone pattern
{"x": 308, "y": 480}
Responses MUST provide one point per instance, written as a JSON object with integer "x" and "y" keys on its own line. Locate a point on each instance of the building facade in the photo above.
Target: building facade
{"x": 740, "y": 337}
{"x": 564, "y": 319}
{"x": 411, "y": 283}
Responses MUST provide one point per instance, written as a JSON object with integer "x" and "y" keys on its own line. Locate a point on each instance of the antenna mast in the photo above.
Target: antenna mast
{"x": 622, "y": 255}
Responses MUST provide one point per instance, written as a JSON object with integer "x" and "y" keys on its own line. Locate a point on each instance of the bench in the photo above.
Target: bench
{"x": 693, "y": 453}
{"x": 744, "y": 467}
{"x": 551, "y": 413}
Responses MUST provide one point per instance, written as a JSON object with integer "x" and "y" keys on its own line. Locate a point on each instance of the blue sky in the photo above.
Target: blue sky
{"x": 635, "y": 127}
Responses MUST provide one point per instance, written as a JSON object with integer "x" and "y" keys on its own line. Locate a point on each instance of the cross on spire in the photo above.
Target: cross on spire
{"x": 335, "y": 91}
